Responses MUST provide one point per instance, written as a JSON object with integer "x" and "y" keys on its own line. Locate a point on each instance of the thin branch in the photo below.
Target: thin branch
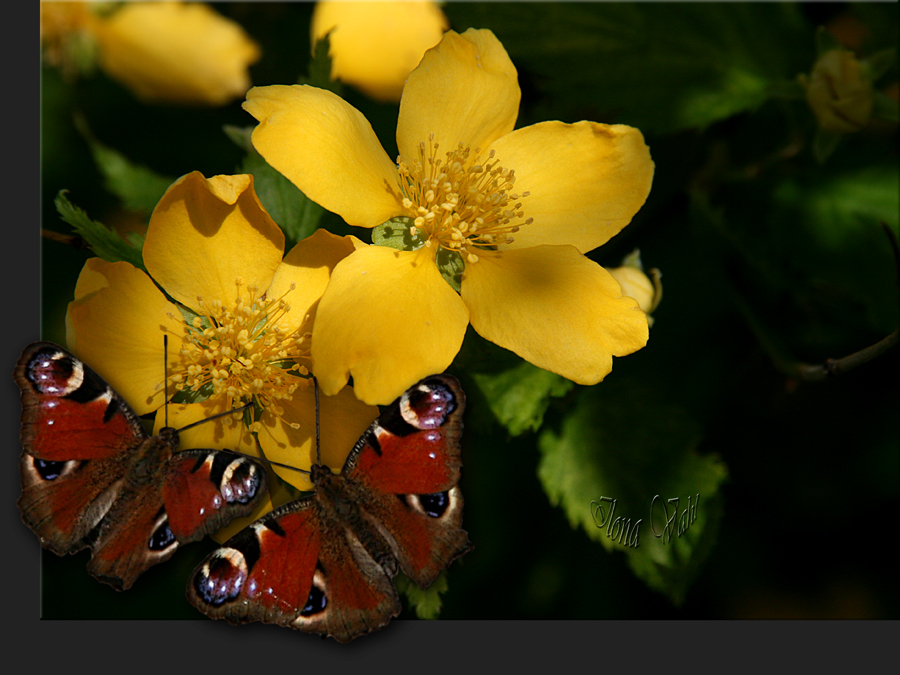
{"x": 813, "y": 373}
{"x": 68, "y": 239}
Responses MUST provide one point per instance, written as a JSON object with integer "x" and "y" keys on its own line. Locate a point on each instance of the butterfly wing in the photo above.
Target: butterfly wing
{"x": 175, "y": 502}
{"x": 407, "y": 467}
{"x": 76, "y": 435}
{"x": 323, "y": 564}
{"x": 296, "y": 568}
{"x": 91, "y": 476}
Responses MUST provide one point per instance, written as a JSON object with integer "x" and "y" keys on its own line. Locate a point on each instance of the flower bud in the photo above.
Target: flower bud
{"x": 839, "y": 92}
{"x": 636, "y": 284}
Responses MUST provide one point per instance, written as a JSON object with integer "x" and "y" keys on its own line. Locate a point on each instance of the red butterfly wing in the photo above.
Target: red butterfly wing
{"x": 191, "y": 495}
{"x": 291, "y": 569}
{"x": 324, "y": 563}
{"x": 408, "y": 464}
{"x": 68, "y": 411}
{"x": 91, "y": 477}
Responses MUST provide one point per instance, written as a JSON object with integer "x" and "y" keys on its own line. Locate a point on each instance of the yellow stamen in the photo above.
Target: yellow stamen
{"x": 240, "y": 353}
{"x": 460, "y": 201}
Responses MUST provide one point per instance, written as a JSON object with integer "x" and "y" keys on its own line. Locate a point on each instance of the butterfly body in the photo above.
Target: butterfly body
{"x": 324, "y": 563}
{"x": 93, "y": 478}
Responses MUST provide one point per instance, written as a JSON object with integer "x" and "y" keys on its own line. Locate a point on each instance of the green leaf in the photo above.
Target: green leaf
{"x": 296, "y": 214}
{"x": 427, "y": 603}
{"x": 139, "y": 187}
{"x": 618, "y": 458}
{"x": 824, "y": 144}
{"x": 661, "y": 67}
{"x": 320, "y": 69}
{"x": 520, "y": 395}
{"x": 103, "y": 241}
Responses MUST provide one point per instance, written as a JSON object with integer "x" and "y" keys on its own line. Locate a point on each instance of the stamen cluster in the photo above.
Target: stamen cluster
{"x": 238, "y": 350}
{"x": 460, "y": 202}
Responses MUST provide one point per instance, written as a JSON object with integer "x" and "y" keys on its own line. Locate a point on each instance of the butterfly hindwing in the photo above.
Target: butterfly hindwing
{"x": 93, "y": 478}
{"x": 324, "y": 563}
{"x": 290, "y": 570}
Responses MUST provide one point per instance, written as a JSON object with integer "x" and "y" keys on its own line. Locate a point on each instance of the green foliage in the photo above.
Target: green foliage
{"x": 661, "y": 67}
{"x": 320, "y": 69}
{"x": 138, "y": 187}
{"x": 102, "y": 240}
{"x": 427, "y": 603}
{"x": 520, "y": 395}
{"x": 622, "y": 451}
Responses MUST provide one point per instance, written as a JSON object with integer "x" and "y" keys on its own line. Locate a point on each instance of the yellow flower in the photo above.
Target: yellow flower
{"x": 163, "y": 51}
{"x": 237, "y": 317}
{"x": 517, "y": 208}
{"x": 375, "y": 45}
{"x": 839, "y": 92}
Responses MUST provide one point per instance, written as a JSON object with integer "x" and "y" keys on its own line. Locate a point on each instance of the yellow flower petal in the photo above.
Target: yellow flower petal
{"x": 119, "y": 331}
{"x": 215, "y": 434}
{"x": 205, "y": 233}
{"x": 90, "y": 280}
{"x": 466, "y": 90}
{"x": 342, "y": 420}
{"x": 387, "y": 318}
{"x": 174, "y": 52}
{"x": 586, "y": 180}
{"x": 374, "y": 45}
{"x": 325, "y": 147}
{"x": 92, "y": 277}
{"x": 555, "y": 308}
{"x": 308, "y": 267}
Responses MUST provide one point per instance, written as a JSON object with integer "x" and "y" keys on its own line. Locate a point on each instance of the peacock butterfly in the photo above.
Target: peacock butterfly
{"x": 93, "y": 478}
{"x": 323, "y": 563}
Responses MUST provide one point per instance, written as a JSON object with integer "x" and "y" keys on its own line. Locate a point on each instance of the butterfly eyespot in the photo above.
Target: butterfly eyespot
{"x": 49, "y": 470}
{"x": 162, "y": 537}
{"x": 237, "y": 479}
{"x": 315, "y": 603}
{"x": 55, "y": 373}
{"x": 222, "y": 578}
{"x": 435, "y": 505}
{"x": 427, "y": 405}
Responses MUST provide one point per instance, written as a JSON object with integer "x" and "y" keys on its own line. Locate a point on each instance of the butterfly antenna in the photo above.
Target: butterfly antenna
{"x": 254, "y": 457}
{"x": 166, "y": 376}
{"x": 318, "y": 438}
{"x": 215, "y": 417}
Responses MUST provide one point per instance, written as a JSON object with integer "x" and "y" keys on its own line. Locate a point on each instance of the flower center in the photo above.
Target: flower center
{"x": 460, "y": 201}
{"x": 239, "y": 351}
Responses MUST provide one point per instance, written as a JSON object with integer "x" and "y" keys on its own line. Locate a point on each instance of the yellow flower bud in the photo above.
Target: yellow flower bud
{"x": 375, "y": 45}
{"x": 839, "y": 92}
{"x": 636, "y": 284}
{"x": 176, "y": 52}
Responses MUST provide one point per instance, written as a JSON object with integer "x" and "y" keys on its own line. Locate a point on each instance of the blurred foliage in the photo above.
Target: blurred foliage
{"x": 771, "y": 259}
